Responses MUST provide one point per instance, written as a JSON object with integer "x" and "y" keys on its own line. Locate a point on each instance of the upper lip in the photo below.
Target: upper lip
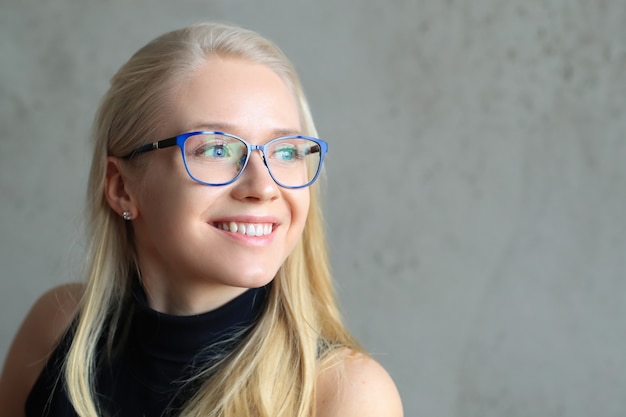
{"x": 247, "y": 219}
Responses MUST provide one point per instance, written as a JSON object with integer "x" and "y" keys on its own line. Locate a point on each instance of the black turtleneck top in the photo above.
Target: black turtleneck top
{"x": 148, "y": 372}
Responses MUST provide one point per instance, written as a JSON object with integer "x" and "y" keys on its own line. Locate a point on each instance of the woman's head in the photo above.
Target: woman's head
{"x": 208, "y": 77}
{"x": 205, "y": 77}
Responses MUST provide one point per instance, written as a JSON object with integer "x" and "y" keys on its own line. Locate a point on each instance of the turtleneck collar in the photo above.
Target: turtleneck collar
{"x": 164, "y": 346}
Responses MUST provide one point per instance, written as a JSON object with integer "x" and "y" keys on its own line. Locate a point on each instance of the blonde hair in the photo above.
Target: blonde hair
{"x": 273, "y": 371}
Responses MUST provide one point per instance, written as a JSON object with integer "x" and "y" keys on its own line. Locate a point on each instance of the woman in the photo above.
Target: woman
{"x": 209, "y": 292}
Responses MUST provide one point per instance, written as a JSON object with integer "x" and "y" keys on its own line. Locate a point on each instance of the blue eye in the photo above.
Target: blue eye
{"x": 286, "y": 153}
{"x": 215, "y": 150}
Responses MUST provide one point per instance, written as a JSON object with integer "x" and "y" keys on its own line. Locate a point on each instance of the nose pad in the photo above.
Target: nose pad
{"x": 261, "y": 156}
{"x": 262, "y": 165}
{"x": 248, "y": 165}
{"x": 256, "y": 182}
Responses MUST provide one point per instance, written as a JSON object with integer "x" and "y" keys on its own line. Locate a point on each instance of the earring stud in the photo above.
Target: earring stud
{"x": 126, "y": 215}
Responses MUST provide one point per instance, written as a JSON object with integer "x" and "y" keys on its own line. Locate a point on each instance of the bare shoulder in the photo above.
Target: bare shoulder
{"x": 357, "y": 386}
{"x": 36, "y": 338}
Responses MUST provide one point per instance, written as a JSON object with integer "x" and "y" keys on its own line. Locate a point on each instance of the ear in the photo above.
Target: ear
{"x": 117, "y": 189}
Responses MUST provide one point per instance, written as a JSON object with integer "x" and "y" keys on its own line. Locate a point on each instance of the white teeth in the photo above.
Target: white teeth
{"x": 250, "y": 229}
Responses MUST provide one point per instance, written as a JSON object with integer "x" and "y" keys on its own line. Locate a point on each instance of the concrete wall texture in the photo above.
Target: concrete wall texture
{"x": 476, "y": 185}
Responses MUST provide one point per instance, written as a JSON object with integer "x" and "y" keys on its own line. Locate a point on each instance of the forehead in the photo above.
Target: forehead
{"x": 248, "y": 97}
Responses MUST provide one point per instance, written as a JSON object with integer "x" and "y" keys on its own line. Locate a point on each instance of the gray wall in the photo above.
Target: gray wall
{"x": 476, "y": 182}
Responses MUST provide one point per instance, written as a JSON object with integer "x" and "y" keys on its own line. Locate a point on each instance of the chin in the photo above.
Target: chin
{"x": 253, "y": 280}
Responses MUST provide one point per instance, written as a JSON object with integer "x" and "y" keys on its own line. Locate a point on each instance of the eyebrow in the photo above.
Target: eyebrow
{"x": 232, "y": 129}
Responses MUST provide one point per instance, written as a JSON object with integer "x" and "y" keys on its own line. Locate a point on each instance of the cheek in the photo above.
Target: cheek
{"x": 300, "y": 202}
{"x": 164, "y": 193}
{"x": 170, "y": 201}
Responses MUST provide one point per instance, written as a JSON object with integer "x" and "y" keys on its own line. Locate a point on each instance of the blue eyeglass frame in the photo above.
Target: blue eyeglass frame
{"x": 180, "y": 140}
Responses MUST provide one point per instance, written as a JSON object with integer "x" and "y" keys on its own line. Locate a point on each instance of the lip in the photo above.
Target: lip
{"x": 245, "y": 239}
{"x": 247, "y": 219}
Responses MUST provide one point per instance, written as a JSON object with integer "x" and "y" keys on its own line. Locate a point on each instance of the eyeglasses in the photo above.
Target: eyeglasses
{"x": 218, "y": 158}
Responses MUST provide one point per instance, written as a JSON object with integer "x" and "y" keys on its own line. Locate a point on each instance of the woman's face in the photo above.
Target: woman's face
{"x": 187, "y": 260}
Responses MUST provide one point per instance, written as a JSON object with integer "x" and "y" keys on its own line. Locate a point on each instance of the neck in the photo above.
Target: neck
{"x": 187, "y": 298}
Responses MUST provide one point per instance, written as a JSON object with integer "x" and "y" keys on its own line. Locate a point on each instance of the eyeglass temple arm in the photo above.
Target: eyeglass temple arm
{"x": 165, "y": 143}
{"x": 313, "y": 149}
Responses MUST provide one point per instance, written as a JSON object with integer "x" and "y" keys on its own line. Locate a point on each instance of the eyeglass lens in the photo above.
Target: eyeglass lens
{"x": 218, "y": 158}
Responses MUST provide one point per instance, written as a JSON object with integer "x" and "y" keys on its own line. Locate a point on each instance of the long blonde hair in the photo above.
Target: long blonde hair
{"x": 273, "y": 372}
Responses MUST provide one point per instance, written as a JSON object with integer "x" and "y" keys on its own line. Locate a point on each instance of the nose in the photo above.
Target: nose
{"x": 255, "y": 182}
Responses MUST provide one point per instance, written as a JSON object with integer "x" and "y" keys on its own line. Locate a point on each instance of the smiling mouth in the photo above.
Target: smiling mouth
{"x": 249, "y": 229}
